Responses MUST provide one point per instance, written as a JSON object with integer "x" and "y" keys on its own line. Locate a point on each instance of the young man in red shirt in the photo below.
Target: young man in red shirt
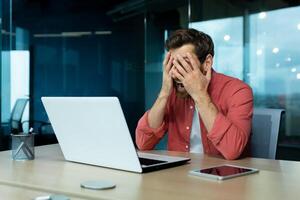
{"x": 201, "y": 110}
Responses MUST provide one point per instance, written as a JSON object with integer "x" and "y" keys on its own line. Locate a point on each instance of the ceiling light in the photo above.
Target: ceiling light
{"x": 298, "y": 76}
{"x": 262, "y": 15}
{"x": 76, "y": 34}
{"x": 46, "y": 35}
{"x": 226, "y": 37}
{"x": 293, "y": 69}
{"x": 63, "y": 34}
{"x": 288, "y": 59}
{"x": 275, "y": 50}
{"x": 277, "y": 65}
{"x": 298, "y": 26}
{"x": 103, "y": 32}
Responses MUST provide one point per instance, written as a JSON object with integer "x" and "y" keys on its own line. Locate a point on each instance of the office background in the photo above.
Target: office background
{"x": 116, "y": 48}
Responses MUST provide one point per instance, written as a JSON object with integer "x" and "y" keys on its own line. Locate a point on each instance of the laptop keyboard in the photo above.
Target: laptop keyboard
{"x": 147, "y": 161}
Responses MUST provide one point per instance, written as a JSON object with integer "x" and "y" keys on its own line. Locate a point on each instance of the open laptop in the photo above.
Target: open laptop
{"x": 93, "y": 130}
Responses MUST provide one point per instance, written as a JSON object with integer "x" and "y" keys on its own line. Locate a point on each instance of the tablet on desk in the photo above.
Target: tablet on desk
{"x": 223, "y": 172}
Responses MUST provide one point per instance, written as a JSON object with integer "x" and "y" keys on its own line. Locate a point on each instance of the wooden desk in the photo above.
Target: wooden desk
{"x": 49, "y": 173}
{"x": 18, "y": 193}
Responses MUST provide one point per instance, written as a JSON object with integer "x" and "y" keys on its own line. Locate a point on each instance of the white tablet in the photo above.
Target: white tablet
{"x": 223, "y": 172}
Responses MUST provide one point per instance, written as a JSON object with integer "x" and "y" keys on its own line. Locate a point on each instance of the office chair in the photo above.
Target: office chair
{"x": 16, "y": 124}
{"x": 265, "y": 131}
{"x": 45, "y": 127}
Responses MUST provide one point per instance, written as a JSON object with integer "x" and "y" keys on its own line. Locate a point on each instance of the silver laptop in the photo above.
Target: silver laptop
{"x": 93, "y": 130}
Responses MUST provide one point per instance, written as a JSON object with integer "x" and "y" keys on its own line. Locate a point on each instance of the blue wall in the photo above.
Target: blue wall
{"x": 95, "y": 65}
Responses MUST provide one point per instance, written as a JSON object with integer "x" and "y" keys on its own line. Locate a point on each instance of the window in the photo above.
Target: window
{"x": 273, "y": 70}
{"x": 227, "y": 35}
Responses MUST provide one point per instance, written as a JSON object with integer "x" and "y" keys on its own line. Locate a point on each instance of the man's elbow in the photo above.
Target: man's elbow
{"x": 143, "y": 147}
{"x": 233, "y": 153}
{"x": 231, "y": 156}
{"x": 141, "y": 143}
{"x": 238, "y": 147}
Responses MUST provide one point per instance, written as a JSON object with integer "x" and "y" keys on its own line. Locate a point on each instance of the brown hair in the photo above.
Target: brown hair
{"x": 202, "y": 42}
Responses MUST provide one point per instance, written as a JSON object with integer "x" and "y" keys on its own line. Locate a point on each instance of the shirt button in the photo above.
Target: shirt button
{"x": 191, "y": 107}
{"x": 186, "y": 146}
{"x": 187, "y": 128}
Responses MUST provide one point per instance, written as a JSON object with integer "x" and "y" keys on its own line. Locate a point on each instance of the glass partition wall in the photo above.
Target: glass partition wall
{"x": 268, "y": 41}
{"x": 70, "y": 48}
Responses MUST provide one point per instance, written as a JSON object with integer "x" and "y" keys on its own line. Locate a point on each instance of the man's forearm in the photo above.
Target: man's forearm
{"x": 157, "y": 112}
{"x": 208, "y": 111}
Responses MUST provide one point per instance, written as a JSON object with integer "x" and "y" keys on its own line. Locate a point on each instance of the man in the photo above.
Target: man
{"x": 203, "y": 111}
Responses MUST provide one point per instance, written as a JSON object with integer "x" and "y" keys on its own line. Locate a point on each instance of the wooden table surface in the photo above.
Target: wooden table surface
{"x": 50, "y": 173}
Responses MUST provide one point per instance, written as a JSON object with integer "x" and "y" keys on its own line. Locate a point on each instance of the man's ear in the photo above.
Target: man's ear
{"x": 208, "y": 63}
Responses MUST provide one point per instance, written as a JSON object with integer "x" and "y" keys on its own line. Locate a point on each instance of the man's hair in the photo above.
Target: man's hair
{"x": 202, "y": 42}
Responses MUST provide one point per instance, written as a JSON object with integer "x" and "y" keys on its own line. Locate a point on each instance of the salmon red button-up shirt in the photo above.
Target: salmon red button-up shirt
{"x": 231, "y": 129}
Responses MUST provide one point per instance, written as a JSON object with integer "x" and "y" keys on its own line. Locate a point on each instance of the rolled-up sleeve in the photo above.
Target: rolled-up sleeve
{"x": 231, "y": 131}
{"x": 147, "y": 137}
